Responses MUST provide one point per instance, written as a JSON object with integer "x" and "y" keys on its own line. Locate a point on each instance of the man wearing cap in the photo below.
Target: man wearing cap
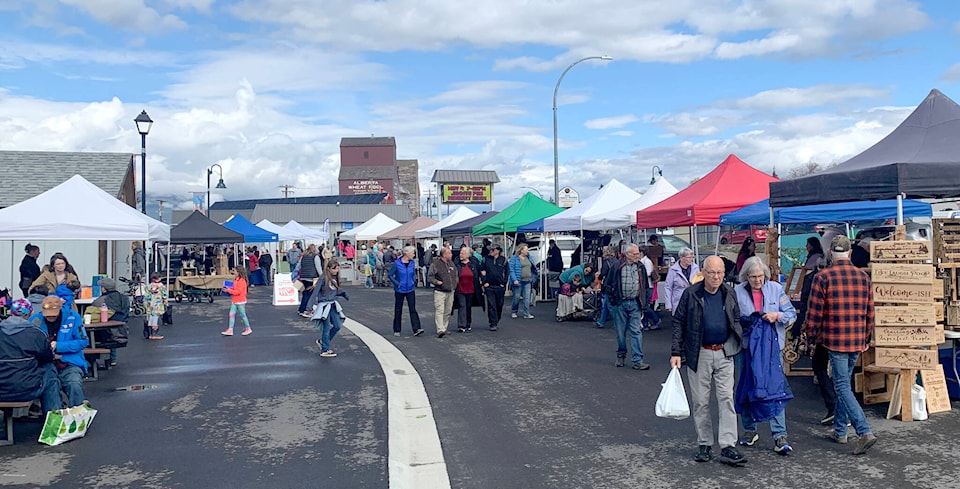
{"x": 26, "y": 360}
{"x": 118, "y": 304}
{"x": 494, "y": 275}
{"x": 840, "y": 318}
{"x": 64, "y": 328}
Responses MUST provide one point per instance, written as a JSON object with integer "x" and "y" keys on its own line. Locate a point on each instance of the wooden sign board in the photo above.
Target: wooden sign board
{"x": 899, "y": 273}
{"x": 912, "y": 315}
{"x": 904, "y": 358}
{"x": 938, "y": 288}
{"x": 905, "y": 335}
{"x": 902, "y": 292}
{"x": 935, "y": 384}
{"x": 940, "y": 337}
{"x": 899, "y": 250}
{"x": 941, "y": 312}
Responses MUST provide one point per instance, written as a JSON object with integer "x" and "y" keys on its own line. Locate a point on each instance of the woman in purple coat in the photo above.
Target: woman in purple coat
{"x": 679, "y": 277}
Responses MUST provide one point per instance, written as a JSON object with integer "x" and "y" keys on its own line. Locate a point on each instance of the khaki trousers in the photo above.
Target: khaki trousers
{"x": 714, "y": 375}
{"x": 443, "y": 306}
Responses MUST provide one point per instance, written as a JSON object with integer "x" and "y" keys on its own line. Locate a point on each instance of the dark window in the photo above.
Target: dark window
{"x": 366, "y": 155}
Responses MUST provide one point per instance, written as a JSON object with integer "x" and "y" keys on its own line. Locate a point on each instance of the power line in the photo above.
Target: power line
{"x": 287, "y": 190}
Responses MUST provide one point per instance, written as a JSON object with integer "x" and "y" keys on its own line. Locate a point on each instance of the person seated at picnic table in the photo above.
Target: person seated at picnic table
{"x": 27, "y": 371}
{"x": 68, "y": 293}
{"x": 68, "y": 338}
{"x": 586, "y": 271}
{"x": 58, "y": 272}
{"x": 118, "y": 308}
{"x": 37, "y": 295}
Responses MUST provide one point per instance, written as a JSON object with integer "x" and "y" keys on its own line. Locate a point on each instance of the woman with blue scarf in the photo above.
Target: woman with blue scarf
{"x": 762, "y": 390}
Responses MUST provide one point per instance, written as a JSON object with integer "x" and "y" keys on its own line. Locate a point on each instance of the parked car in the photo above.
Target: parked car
{"x": 737, "y": 234}
{"x": 672, "y": 245}
{"x": 915, "y": 231}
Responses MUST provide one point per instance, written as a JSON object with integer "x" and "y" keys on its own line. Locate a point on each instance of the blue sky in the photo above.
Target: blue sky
{"x": 266, "y": 88}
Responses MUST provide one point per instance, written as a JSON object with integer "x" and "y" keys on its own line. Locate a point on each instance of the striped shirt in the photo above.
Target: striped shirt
{"x": 840, "y": 311}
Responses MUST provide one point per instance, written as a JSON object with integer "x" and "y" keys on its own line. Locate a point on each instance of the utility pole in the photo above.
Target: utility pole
{"x": 160, "y": 212}
{"x": 287, "y": 190}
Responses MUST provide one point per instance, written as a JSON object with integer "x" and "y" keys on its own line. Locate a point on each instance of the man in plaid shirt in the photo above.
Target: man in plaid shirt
{"x": 840, "y": 317}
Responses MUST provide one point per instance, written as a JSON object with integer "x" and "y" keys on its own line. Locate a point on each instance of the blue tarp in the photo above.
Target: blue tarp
{"x": 250, "y": 231}
{"x": 533, "y": 227}
{"x": 759, "y": 213}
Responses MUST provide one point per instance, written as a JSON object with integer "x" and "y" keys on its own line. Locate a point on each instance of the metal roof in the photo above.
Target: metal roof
{"x": 358, "y": 142}
{"x": 316, "y": 213}
{"x": 25, "y": 174}
{"x": 465, "y": 176}
{"x": 236, "y": 205}
{"x": 368, "y": 172}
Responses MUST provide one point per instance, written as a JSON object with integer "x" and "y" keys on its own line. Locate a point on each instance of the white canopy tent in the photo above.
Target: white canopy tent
{"x": 370, "y": 230}
{"x": 282, "y": 233}
{"x": 626, "y": 215}
{"x": 78, "y": 210}
{"x": 303, "y": 232}
{"x": 590, "y": 214}
{"x": 462, "y": 213}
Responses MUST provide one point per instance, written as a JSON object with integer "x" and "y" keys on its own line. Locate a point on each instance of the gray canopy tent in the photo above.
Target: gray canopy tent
{"x": 919, "y": 159}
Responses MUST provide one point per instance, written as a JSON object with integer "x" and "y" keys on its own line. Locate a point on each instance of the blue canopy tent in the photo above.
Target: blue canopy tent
{"x": 759, "y": 213}
{"x": 250, "y": 231}
{"x": 533, "y": 227}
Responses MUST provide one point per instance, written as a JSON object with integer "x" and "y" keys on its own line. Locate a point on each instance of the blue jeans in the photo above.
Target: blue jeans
{"x": 71, "y": 380}
{"x": 848, "y": 409}
{"x": 627, "y": 316}
{"x": 48, "y": 391}
{"x": 521, "y": 291}
{"x": 329, "y": 327}
{"x": 604, "y": 310}
{"x": 778, "y": 425}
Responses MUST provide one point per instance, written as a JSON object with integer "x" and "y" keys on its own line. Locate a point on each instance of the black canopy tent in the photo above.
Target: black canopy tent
{"x": 919, "y": 159}
{"x": 197, "y": 228}
{"x": 465, "y": 228}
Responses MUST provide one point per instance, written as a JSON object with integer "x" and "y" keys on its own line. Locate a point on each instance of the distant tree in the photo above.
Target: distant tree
{"x": 808, "y": 168}
{"x": 695, "y": 180}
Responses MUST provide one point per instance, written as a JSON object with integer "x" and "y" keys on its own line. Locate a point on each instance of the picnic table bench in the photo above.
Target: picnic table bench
{"x": 7, "y": 407}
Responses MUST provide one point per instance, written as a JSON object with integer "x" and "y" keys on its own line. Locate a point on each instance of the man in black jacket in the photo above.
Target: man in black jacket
{"x": 708, "y": 335}
{"x": 266, "y": 264}
{"x": 495, "y": 276}
{"x": 624, "y": 288}
{"x": 26, "y": 360}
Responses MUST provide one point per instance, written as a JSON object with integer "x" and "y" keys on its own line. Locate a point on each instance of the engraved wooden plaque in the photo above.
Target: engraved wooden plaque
{"x": 899, "y": 250}
{"x": 902, "y": 293}
{"x": 905, "y": 335}
{"x": 912, "y": 315}
{"x": 899, "y": 273}
{"x": 935, "y": 383}
{"x": 904, "y": 358}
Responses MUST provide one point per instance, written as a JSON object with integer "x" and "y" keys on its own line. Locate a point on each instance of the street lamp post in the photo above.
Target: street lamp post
{"x": 144, "y": 122}
{"x": 535, "y": 190}
{"x": 656, "y": 171}
{"x": 220, "y": 184}
{"x": 556, "y": 153}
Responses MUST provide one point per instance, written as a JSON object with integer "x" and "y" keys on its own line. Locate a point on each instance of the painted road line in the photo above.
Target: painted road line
{"x": 415, "y": 455}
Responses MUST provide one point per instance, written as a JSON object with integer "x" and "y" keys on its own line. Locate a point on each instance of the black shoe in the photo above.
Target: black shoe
{"x": 493, "y": 328}
{"x": 705, "y": 454}
{"x": 827, "y": 419}
{"x": 418, "y": 332}
{"x": 441, "y": 334}
{"x": 641, "y": 366}
{"x": 620, "y": 361}
{"x": 469, "y": 329}
{"x": 731, "y": 456}
{"x": 461, "y": 330}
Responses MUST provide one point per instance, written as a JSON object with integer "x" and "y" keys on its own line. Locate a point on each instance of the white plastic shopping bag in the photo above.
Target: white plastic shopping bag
{"x": 919, "y": 405}
{"x": 672, "y": 402}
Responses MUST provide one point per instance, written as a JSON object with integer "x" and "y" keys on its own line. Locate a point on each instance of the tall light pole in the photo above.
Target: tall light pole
{"x": 144, "y": 122}
{"x": 655, "y": 171}
{"x": 220, "y": 184}
{"x": 556, "y": 153}
{"x": 535, "y": 190}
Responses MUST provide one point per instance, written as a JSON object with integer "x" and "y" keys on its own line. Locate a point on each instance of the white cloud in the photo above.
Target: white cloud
{"x": 128, "y": 15}
{"x": 610, "y": 122}
{"x": 17, "y": 53}
{"x": 952, "y": 74}
{"x": 815, "y": 96}
{"x": 622, "y": 133}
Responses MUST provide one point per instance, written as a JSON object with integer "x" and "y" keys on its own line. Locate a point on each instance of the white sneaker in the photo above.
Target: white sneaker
{"x": 513, "y": 315}
{"x": 528, "y": 316}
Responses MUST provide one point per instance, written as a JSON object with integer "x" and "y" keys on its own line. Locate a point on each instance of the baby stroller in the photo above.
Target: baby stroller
{"x": 577, "y": 305}
{"x": 136, "y": 291}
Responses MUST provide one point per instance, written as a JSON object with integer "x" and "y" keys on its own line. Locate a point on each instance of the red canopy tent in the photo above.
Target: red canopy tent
{"x": 730, "y": 186}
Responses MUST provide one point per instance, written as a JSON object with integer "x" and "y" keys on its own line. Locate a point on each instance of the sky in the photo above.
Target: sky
{"x": 267, "y": 88}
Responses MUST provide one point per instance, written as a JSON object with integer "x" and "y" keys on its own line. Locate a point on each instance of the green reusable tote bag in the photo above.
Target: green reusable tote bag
{"x": 63, "y": 425}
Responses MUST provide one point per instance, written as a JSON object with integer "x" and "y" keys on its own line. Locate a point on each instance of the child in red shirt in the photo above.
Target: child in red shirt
{"x": 238, "y": 297}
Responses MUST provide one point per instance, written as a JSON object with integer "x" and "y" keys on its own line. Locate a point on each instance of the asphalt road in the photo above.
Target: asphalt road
{"x": 537, "y": 404}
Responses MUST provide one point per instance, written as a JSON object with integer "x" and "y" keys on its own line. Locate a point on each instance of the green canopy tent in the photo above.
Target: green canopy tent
{"x": 527, "y": 209}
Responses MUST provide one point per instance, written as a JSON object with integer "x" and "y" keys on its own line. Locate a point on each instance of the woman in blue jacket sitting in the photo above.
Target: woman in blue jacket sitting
{"x": 767, "y": 311}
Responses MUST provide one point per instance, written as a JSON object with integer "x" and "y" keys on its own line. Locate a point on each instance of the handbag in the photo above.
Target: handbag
{"x": 298, "y": 285}
{"x": 672, "y": 402}
{"x": 63, "y": 425}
